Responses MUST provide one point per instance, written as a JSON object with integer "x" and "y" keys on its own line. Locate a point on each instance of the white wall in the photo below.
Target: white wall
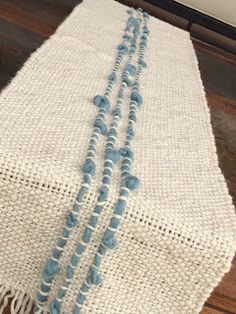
{"x": 224, "y": 10}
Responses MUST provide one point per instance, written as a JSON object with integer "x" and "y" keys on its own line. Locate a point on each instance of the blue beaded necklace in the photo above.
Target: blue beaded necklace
{"x": 130, "y": 78}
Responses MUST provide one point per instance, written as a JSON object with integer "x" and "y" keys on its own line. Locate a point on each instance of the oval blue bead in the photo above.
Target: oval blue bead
{"x": 71, "y": 221}
{"x": 50, "y": 269}
{"x": 80, "y": 249}
{"x": 114, "y": 222}
{"x": 74, "y": 260}
{"x": 131, "y": 182}
{"x": 54, "y": 307}
{"x": 113, "y": 155}
{"x": 87, "y": 235}
{"x": 101, "y": 102}
{"x": 41, "y": 298}
{"x": 123, "y": 48}
{"x": 101, "y": 125}
{"x": 69, "y": 272}
{"x": 103, "y": 193}
{"x": 130, "y": 68}
{"x": 135, "y": 96}
{"x": 112, "y": 77}
{"x": 120, "y": 207}
{"x": 126, "y": 152}
{"x": 94, "y": 276}
{"x": 89, "y": 167}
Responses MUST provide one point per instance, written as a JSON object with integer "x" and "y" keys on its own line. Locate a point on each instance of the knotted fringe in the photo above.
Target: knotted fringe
{"x": 18, "y": 301}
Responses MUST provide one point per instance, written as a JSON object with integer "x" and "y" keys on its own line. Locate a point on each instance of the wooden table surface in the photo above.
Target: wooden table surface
{"x": 26, "y": 24}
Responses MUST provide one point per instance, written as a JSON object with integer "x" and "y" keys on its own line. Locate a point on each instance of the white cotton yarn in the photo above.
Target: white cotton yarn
{"x": 177, "y": 237}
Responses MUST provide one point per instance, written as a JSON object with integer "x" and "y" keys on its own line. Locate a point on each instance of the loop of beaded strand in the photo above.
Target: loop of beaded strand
{"x": 111, "y": 157}
{"x": 103, "y": 103}
{"x": 128, "y": 183}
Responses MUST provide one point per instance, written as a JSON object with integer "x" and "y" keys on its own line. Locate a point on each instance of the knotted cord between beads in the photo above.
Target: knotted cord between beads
{"x": 111, "y": 156}
{"x": 103, "y": 103}
{"x": 128, "y": 183}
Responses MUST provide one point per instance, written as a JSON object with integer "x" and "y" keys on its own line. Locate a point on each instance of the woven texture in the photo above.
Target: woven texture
{"x": 177, "y": 237}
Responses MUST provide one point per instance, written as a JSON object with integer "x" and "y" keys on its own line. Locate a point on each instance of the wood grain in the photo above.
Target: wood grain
{"x": 209, "y": 310}
{"x": 224, "y": 295}
{"x": 23, "y": 19}
{"x": 213, "y": 51}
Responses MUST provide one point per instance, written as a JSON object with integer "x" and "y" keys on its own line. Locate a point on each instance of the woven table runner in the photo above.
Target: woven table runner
{"x": 176, "y": 237}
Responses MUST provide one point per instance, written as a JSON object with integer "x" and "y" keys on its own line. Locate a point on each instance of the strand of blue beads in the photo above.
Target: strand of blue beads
{"x": 103, "y": 103}
{"x": 129, "y": 182}
{"x": 111, "y": 156}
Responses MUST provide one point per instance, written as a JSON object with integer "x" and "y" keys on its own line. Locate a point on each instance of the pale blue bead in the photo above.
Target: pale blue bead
{"x": 93, "y": 220}
{"x": 127, "y": 37}
{"x": 87, "y": 235}
{"x": 131, "y": 21}
{"x": 41, "y": 297}
{"x": 130, "y": 68}
{"x": 81, "y": 299}
{"x": 145, "y": 14}
{"x": 131, "y": 182}
{"x": 124, "y": 193}
{"x": 101, "y": 102}
{"x": 113, "y": 155}
{"x": 135, "y": 96}
{"x": 74, "y": 260}
{"x": 76, "y": 309}
{"x": 132, "y": 116}
{"x": 126, "y": 152}
{"x": 84, "y": 288}
{"x": 142, "y": 62}
{"x": 106, "y": 180}
{"x": 71, "y": 221}
{"x": 114, "y": 223}
{"x": 45, "y": 288}
{"x": 56, "y": 253}
{"x": 113, "y": 131}
{"x": 127, "y": 81}
{"x": 103, "y": 193}
{"x": 108, "y": 163}
{"x": 98, "y": 208}
{"x": 89, "y": 167}
{"x": 61, "y": 242}
{"x": 112, "y": 77}
{"x": 120, "y": 207}
{"x": 54, "y": 307}
{"x": 61, "y": 293}
{"x": 65, "y": 233}
{"x": 130, "y": 131}
{"x": 51, "y": 268}
{"x": 125, "y": 167}
{"x": 107, "y": 172}
{"x": 109, "y": 240}
{"x": 69, "y": 272}
{"x": 80, "y": 249}
{"x": 97, "y": 260}
{"x": 87, "y": 178}
{"x": 143, "y": 43}
{"x": 102, "y": 250}
{"x": 116, "y": 112}
{"x": 101, "y": 125}
{"x": 123, "y": 48}
{"x": 80, "y": 194}
{"x": 94, "y": 276}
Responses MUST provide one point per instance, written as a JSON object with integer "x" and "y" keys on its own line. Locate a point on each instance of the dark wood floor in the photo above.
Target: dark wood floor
{"x": 26, "y": 24}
